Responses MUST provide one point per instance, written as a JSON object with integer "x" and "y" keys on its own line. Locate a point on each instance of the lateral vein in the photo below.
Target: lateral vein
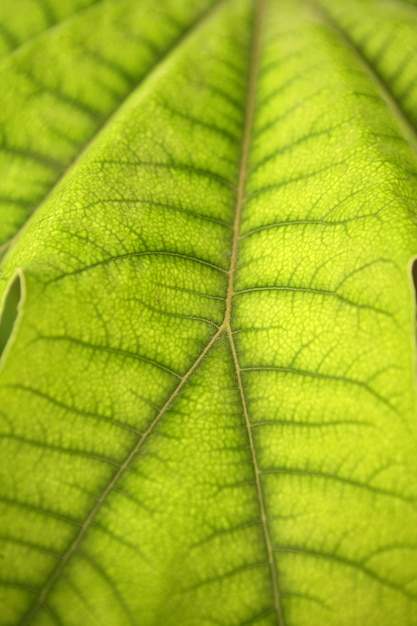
{"x": 40, "y": 601}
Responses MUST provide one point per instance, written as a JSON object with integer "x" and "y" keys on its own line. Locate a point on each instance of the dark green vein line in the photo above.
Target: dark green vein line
{"x": 327, "y": 132}
{"x": 131, "y": 255}
{"x": 48, "y": 11}
{"x": 291, "y": 181}
{"x": 299, "y": 104}
{"x": 94, "y": 115}
{"x": 230, "y": 574}
{"x": 111, "y": 585}
{"x": 319, "y": 425}
{"x": 98, "y": 348}
{"x": 122, "y": 540}
{"x": 31, "y": 545}
{"x": 39, "y": 511}
{"x": 161, "y": 205}
{"x": 185, "y": 316}
{"x": 308, "y": 597}
{"x": 53, "y": 615}
{"x": 340, "y": 379}
{"x": 81, "y": 595}
{"x": 260, "y": 11}
{"x": 226, "y": 532}
{"x": 224, "y": 95}
{"x": 341, "y": 479}
{"x": 259, "y": 617}
{"x": 349, "y": 563}
{"x": 211, "y": 127}
{"x": 47, "y": 446}
{"x": 205, "y": 15}
{"x": 193, "y": 292}
{"x": 384, "y": 88}
{"x": 17, "y": 201}
{"x": 400, "y": 69}
{"x": 307, "y": 222}
{"x": 172, "y": 166}
{"x": 195, "y": 318}
{"x": 318, "y": 292}
{"x": 361, "y": 268}
{"x": 235, "y": 76}
{"x": 73, "y": 547}
{"x": 283, "y": 62}
{"x": 125, "y": 495}
{"x": 394, "y": 547}
{"x": 277, "y": 91}
{"x": 111, "y": 65}
{"x": 383, "y": 45}
{"x": 73, "y": 409}
{"x": 33, "y": 156}
{"x": 9, "y": 38}
{"x": 18, "y": 585}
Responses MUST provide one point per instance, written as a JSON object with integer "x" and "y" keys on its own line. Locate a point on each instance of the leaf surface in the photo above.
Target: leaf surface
{"x": 207, "y": 397}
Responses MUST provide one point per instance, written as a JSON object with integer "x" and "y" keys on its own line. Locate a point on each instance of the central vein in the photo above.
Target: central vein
{"x": 226, "y": 326}
{"x": 247, "y": 133}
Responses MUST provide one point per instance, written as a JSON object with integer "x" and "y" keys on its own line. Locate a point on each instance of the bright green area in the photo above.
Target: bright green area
{"x": 207, "y": 401}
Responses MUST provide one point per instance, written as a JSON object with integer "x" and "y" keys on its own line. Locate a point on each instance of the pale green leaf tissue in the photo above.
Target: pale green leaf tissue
{"x": 208, "y": 219}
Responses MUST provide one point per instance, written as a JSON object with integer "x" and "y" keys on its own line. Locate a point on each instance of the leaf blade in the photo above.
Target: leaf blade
{"x": 319, "y": 320}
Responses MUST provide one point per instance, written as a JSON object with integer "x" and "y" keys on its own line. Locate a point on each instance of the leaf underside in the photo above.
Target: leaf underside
{"x": 207, "y": 387}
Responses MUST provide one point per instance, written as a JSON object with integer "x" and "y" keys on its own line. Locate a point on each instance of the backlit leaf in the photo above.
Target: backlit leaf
{"x": 207, "y": 374}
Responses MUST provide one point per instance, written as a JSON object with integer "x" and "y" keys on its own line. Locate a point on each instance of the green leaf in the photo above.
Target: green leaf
{"x": 207, "y": 375}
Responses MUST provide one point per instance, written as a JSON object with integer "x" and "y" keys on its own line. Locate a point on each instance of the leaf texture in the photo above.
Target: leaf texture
{"x": 207, "y": 400}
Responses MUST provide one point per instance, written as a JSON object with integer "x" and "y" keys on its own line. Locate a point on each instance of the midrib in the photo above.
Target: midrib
{"x": 260, "y": 10}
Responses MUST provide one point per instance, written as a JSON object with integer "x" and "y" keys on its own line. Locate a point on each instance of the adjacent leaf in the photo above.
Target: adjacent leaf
{"x": 63, "y": 84}
{"x": 207, "y": 387}
{"x": 21, "y": 21}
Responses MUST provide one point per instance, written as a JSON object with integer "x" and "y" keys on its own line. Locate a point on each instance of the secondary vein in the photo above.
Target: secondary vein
{"x": 111, "y": 484}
